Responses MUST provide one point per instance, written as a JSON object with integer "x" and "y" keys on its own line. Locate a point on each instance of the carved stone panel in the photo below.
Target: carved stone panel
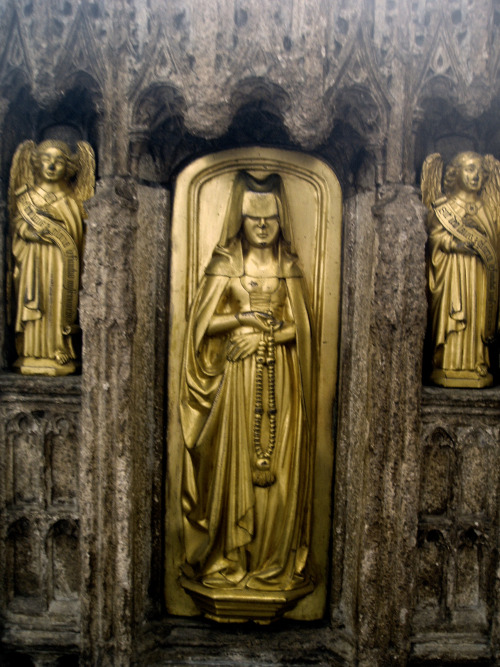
{"x": 40, "y": 551}
{"x": 458, "y": 522}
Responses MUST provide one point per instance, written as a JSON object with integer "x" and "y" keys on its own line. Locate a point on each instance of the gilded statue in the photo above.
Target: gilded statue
{"x": 462, "y": 266}
{"x": 48, "y": 184}
{"x": 246, "y": 392}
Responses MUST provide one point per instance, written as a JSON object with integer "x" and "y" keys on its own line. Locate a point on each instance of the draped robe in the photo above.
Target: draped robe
{"x": 458, "y": 292}
{"x": 237, "y": 533}
{"x": 41, "y": 329}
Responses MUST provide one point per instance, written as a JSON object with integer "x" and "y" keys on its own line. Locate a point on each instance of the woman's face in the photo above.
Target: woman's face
{"x": 261, "y": 232}
{"x": 261, "y": 224}
{"x": 52, "y": 164}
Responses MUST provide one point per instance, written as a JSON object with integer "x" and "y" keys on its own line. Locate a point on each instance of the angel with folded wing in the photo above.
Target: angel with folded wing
{"x": 463, "y": 265}
{"x": 48, "y": 184}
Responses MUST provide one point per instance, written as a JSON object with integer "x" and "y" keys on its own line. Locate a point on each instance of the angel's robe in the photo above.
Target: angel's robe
{"x": 457, "y": 279}
{"x": 39, "y": 277}
{"x": 237, "y": 533}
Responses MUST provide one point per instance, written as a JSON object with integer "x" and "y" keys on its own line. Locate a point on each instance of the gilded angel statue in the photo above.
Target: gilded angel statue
{"x": 462, "y": 265}
{"x": 48, "y": 184}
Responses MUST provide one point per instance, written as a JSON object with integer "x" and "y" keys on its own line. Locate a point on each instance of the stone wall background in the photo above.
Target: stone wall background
{"x": 371, "y": 87}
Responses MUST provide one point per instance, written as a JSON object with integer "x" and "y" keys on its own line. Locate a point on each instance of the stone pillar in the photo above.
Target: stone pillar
{"x": 376, "y": 487}
{"x": 123, "y": 361}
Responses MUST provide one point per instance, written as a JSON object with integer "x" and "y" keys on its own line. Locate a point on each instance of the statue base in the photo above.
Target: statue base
{"x": 239, "y": 605}
{"x": 50, "y": 367}
{"x": 464, "y": 379}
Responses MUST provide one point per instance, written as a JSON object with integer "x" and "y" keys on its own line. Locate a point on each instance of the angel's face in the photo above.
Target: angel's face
{"x": 471, "y": 174}
{"x": 52, "y": 164}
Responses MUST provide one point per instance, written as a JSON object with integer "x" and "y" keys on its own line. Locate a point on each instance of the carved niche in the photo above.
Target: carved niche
{"x": 255, "y": 287}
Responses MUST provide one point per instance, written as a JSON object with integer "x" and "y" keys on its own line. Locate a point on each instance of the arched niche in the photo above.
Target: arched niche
{"x": 23, "y": 566}
{"x": 63, "y": 561}
{"x": 25, "y": 461}
{"x": 314, "y": 202}
{"x": 356, "y": 144}
{"x": 71, "y": 117}
{"x": 351, "y": 157}
{"x": 61, "y": 445}
{"x": 442, "y": 126}
{"x": 436, "y": 474}
{"x": 157, "y": 129}
{"x": 162, "y": 147}
{"x": 160, "y": 142}
{"x": 166, "y": 149}
{"x": 444, "y": 130}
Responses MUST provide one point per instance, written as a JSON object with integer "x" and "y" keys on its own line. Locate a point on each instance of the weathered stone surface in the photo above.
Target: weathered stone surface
{"x": 377, "y": 450}
{"x": 456, "y": 557}
{"x": 371, "y": 87}
{"x": 40, "y": 531}
{"x": 122, "y": 313}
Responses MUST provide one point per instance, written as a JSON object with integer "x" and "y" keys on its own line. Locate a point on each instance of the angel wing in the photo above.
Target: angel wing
{"x": 21, "y": 173}
{"x": 430, "y": 182}
{"x": 491, "y": 189}
{"x": 85, "y": 178}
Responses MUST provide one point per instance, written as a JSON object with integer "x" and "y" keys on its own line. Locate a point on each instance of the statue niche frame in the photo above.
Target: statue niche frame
{"x": 314, "y": 198}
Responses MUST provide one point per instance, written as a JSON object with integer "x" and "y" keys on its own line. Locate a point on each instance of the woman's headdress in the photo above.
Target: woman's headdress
{"x": 246, "y": 183}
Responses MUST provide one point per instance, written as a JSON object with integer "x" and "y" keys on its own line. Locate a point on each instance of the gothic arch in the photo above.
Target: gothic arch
{"x": 254, "y": 90}
{"x": 359, "y": 104}
{"x": 156, "y": 128}
{"x": 16, "y": 69}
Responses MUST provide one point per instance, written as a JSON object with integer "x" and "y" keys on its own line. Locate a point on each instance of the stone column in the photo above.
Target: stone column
{"x": 376, "y": 489}
{"x": 121, "y": 314}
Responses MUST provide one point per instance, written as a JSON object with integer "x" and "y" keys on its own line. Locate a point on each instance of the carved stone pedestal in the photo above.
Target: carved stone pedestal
{"x": 233, "y": 605}
{"x": 461, "y": 379}
{"x": 43, "y": 367}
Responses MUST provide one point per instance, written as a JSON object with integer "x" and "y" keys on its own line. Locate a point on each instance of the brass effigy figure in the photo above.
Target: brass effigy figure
{"x": 462, "y": 266}
{"x": 47, "y": 187}
{"x": 246, "y": 403}
{"x": 252, "y": 365}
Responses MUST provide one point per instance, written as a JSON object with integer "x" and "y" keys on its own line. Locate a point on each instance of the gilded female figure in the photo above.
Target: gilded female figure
{"x": 48, "y": 184}
{"x": 463, "y": 267}
{"x": 246, "y": 403}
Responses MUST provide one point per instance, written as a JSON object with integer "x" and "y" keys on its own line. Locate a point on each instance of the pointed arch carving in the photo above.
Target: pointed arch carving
{"x": 343, "y": 25}
{"x": 441, "y": 71}
{"x": 80, "y": 54}
{"x": 15, "y": 61}
{"x": 160, "y": 68}
{"x": 357, "y": 96}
